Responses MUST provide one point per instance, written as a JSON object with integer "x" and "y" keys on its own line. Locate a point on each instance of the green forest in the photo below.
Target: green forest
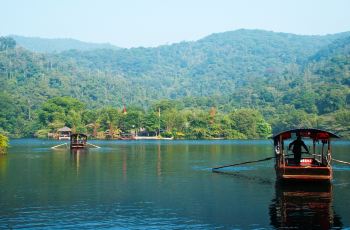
{"x": 244, "y": 84}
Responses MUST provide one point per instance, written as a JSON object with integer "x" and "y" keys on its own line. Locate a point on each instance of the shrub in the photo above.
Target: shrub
{"x": 3, "y": 143}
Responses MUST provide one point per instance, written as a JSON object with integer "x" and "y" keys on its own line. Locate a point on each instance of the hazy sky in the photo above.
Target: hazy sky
{"x": 132, "y": 23}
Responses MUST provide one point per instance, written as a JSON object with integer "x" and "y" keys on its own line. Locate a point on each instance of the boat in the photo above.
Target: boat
{"x": 78, "y": 141}
{"x": 315, "y": 166}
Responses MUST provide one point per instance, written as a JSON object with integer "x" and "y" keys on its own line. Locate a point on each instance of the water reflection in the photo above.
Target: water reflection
{"x": 159, "y": 161}
{"x": 157, "y": 185}
{"x": 3, "y": 164}
{"x": 125, "y": 166}
{"x": 77, "y": 155}
{"x": 304, "y": 206}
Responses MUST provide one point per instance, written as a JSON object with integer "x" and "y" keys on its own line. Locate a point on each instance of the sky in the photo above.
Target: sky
{"x": 150, "y": 23}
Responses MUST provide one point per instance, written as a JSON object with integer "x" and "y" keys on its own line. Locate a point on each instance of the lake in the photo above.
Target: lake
{"x": 162, "y": 185}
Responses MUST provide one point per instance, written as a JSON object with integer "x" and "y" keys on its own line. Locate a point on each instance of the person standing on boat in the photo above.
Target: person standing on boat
{"x": 297, "y": 144}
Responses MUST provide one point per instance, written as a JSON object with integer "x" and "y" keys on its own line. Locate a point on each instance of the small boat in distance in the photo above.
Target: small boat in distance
{"x": 78, "y": 141}
{"x": 316, "y": 166}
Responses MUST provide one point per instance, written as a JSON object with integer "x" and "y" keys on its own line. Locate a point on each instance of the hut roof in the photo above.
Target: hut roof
{"x": 64, "y": 129}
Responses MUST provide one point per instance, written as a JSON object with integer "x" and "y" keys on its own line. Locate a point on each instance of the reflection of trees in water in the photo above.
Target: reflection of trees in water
{"x": 303, "y": 206}
{"x": 3, "y": 164}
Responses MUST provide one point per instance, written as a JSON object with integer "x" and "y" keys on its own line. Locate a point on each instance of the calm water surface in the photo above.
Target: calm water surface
{"x": 162, "y": 185}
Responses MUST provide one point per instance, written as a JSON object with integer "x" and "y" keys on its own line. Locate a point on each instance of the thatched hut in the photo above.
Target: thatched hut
{"x": 64, "y": 133}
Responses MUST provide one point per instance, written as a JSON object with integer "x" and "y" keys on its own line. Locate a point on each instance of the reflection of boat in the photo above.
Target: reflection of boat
{"x": 316, "y": 166}
{"x": 78, "y": 140}
{"x": 303, "y": 206}
{"x": 78, "y": 156}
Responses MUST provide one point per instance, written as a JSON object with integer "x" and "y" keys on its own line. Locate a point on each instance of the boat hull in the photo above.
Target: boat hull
{"x": 304, "y": 173}
{"x": 78, "y": 147}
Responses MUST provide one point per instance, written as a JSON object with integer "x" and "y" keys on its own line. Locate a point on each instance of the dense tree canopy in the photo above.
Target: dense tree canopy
{"x": 7, "y": 43}
{"x": 240, "y": 84}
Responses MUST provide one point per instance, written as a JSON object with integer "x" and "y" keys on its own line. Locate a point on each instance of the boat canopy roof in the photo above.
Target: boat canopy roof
{"x": 78, "y": 135}
{"x": 315, "y": 134}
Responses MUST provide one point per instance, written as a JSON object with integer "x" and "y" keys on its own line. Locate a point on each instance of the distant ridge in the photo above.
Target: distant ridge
{"x": 339, "y": 47}
{"x": 50, "y": 45}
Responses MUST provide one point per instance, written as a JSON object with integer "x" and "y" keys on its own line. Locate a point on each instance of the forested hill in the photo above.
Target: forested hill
{"x": 339, "y": 47}
{"x": 46, "y": 45}
{"x": 293, "y": 80}
{"x": 231, "y": 53}
{"x": 217, "y": 65}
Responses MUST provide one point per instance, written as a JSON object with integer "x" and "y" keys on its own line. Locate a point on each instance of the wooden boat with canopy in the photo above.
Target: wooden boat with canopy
{"x": 316, "y": 166}
{"x": 78, "y": 141}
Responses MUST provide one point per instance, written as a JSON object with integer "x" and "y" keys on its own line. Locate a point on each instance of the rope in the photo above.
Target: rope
{"x": 54, "y": 147}
{"x": 247, "y": 162}
{"x": 344, "y": 162}
{"x": 93, "y": 145}
{"x": 266, "y": 159}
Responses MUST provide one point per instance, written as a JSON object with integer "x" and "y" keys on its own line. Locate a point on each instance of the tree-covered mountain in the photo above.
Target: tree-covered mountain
{"x": 293, "y": 80}
{"x": 49, "y": 45}
{"x": 339, "y": 47}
